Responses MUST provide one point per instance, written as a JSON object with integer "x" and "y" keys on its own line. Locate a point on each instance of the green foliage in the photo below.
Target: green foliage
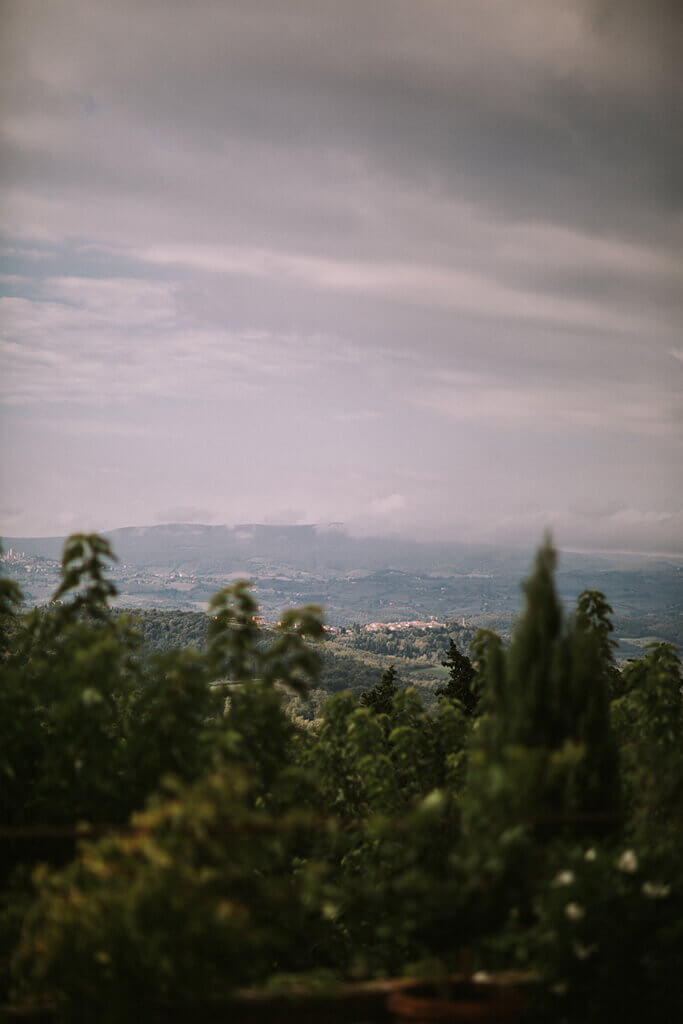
{"x": 84, "y": 564}
{"x": 11, "y": 598}
{"x": 594, "y": 616}
{"x": 380, "y": 699}
{"x": 461, "y": 675}
{"x": 393, "y": 779}
{"x": 90, "y": 725}
{"x": 649, "y": 722}
{"x": 164, "y": 631}
{"x": 234, "y": 641}
{"x": 289, "y": 660}
{"x": 253, "y": 843}
{"x": 232, "y": 634}
{"x": 200, "y": 897}
{"x": 544, "y": 747}
{"x": 344, "y": 672}
{"x": 67, "y": 684}
{"x": 429, "y": 645}
{"x": 609, "y": 936}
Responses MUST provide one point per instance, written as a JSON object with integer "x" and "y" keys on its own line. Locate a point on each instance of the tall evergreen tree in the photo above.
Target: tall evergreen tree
{"x": 380, "y": 698}
{"x": 546, "y": 727}
{"x": 460, "y": 678}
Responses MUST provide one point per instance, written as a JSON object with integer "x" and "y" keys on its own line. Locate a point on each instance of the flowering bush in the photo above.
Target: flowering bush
{"x": 610, "y": 937}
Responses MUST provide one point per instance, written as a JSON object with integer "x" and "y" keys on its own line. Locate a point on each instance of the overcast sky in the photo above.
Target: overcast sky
{"x": 413, "y": 265}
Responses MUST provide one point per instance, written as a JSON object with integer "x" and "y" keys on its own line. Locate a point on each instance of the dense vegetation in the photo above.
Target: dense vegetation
{"x": 340, "y": 667}
{"x": 175, "y": 829}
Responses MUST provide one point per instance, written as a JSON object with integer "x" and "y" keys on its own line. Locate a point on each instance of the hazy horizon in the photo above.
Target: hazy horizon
{"x": 415, "y": 268}
{"x": 386, "y": 535}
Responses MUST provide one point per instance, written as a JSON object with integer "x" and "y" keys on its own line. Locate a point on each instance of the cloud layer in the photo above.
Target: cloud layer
{"x": 419, "y": 270}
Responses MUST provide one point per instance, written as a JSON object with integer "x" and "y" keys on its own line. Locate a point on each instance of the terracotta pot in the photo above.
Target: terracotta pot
{"x": 38, "y": 1014}
{"x": 498, "y": 998}
{"x": 346, "y": 1004}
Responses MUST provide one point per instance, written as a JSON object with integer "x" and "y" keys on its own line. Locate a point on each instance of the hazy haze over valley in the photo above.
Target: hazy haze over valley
{"x": 364, "y": 580}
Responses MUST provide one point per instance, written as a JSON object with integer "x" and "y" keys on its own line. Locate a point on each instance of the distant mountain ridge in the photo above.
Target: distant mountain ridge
{"x": 313, "y": 547}
{"x": 357, "y": 579}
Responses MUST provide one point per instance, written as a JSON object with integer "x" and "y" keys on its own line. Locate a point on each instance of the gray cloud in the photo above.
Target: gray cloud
{"x": 185, "y": 514}
{"x": 527, "y": 107}
{"x": 388, "y": 234}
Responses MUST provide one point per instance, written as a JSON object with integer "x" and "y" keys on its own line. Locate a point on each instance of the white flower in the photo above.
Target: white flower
{"x": 574, "y": 912}
{"x": 434, "y": 801}
{"x": 481, "y": 977}
{"x": 590, "y": 854}
{"x": 628, "y": 862}
{"x": 564, "y": 878}
{"x": 654, "y": 891}
{"x": 90, "y": 697}
{"x": 582, "y": 952}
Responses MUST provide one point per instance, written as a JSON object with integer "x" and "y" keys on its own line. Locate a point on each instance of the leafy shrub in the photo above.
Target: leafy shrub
{"x": 649, "y": 721}
{"x": 610, "y": 936}
{"x": 198, "y": 898}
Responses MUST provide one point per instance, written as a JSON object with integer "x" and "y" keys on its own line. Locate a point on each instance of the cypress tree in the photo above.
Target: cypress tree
{"x": 460, "y": 678}
{"x": 546, "y": 729}
{"x": 380, "y": 698}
